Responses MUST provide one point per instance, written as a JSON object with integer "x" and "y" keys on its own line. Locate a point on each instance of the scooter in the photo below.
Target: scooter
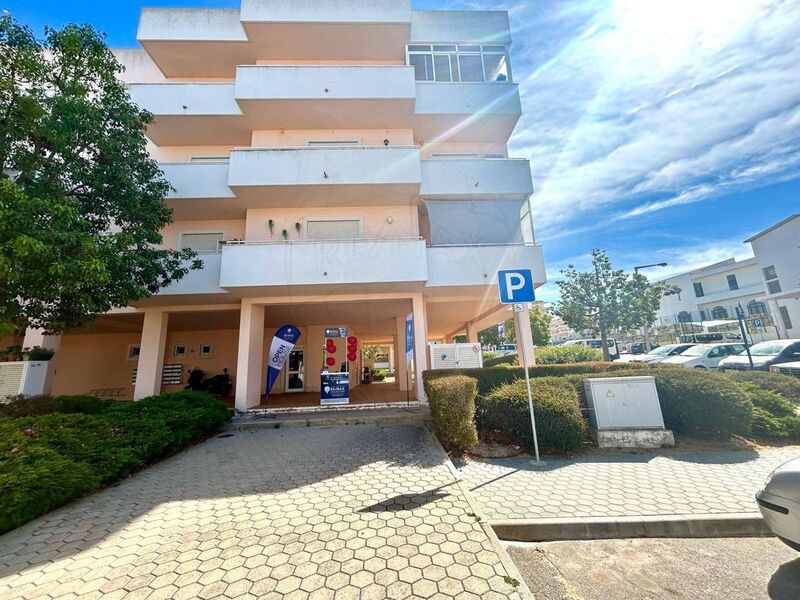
{"x": 218, "y": 385}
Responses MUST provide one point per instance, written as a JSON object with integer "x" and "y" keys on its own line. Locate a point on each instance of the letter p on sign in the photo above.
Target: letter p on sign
{"x": 516, "y": 286}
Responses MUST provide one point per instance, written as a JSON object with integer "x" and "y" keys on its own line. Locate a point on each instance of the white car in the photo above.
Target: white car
{"x": 704, "y": 356}
{"x": 790, "y": 368}
{"x": 779, "y": 503}
{"x": 660, "y": 354}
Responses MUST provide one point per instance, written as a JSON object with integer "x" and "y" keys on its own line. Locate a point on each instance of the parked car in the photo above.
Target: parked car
{"x": 779, "y": 503}
{"x": 660, "y": 354}
{"x": 765, "y": 354}
{"x": 641, "y": 348}
{"x": 710, "y": 337}
{"x": 704, "y": 356}
{"x": 790, "y": 368}
{"x": 613, "y": 348}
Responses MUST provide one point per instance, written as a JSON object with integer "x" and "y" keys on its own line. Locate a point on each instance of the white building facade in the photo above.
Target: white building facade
{"x": 777, "y": 251}
{"x": 335, "y": 164}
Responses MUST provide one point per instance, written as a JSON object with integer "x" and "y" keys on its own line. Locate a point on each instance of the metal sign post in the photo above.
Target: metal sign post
{"x": 516, "y": 287}
{"x": 740, "y": 318}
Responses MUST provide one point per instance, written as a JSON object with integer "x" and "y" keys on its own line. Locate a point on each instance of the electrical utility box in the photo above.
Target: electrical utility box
{"x": 456, "y": 356}
{"x": 27, "y": 377}
{"x": 623, "y": 403}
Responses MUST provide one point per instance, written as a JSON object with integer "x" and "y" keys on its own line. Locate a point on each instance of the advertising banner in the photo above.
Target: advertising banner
{"x": 282, "y": 343}
{"x": 409, "y": 338}
{"x": 335, "y": 388}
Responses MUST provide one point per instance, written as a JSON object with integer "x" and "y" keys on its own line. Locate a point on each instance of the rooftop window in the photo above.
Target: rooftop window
{"x": 455, "y": 63}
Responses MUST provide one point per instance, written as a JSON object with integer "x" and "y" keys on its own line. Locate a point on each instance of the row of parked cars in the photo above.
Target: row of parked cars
{"x": 780, "y": 356}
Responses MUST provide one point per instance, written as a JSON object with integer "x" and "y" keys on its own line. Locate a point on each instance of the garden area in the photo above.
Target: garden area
{"x": 56, "y": 449}
{"x": 491, "y": 403}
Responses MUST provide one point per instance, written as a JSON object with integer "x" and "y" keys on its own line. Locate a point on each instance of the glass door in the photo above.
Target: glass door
{"x": 296, "y": 371}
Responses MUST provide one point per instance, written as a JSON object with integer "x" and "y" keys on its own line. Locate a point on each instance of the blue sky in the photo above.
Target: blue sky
{"x": 660, "y": 131}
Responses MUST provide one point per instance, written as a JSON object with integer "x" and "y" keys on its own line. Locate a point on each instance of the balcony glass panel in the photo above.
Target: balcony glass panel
{"x": 469, "y": 63}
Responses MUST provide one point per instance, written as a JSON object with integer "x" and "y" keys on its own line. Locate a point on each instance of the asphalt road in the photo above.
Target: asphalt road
{"x": 647, "y": 569}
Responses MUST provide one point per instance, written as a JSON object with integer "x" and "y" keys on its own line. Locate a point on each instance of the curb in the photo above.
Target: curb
{"x": 661, "y": 526}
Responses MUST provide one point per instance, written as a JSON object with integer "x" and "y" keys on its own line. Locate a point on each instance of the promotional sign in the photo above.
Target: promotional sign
{"x": 335, "y": 388}
{"x": 409, "y": 338}
{"x": 516, "y": 286}
{"x": 282, "y": 343}
{"x": 335, "y": 332}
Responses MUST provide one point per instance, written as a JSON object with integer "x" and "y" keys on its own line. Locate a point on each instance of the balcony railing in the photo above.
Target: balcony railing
{"x": 478, "y": 264}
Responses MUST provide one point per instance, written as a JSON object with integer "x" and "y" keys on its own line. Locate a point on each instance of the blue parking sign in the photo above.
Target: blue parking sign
{"x": 516, "y": 286}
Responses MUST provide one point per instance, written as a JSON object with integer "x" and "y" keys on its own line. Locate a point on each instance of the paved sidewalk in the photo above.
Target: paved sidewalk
{"x": 323, "y": 512}
{"x": 630, "y": 485}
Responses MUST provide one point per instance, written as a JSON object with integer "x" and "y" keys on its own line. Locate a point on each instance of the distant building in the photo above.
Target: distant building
{"x": 777, "y": 252}
{"x": 560, "y": 331}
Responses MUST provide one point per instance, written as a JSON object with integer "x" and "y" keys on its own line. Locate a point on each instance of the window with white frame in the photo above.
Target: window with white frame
{"x": 445, "y": 63}
{"x": 333, "y": 229}
{"x": 203, "y": 242}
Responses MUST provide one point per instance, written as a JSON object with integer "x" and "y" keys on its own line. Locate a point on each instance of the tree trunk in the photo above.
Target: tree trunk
{"x": 604, "y": 343}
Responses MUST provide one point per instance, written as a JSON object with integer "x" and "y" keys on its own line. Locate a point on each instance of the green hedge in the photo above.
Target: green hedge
{"x": 50, "y": 456}
{"x": 493, "y": 377}
{"x": 785, "y": 385}
{"x": 560, "y": 424}
{"x": 773, "y": 415}
{"x": 551, "y": 355}
{"x": 452, "y": 401}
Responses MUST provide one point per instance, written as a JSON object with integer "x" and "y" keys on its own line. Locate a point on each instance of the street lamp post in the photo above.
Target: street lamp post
{"x": 645, "y": 329}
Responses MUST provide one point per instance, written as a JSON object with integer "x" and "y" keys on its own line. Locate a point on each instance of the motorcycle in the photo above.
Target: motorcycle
{"x": 218, "y": 385}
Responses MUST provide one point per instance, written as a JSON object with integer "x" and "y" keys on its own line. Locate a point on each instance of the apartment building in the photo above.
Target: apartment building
{"x": 777, "y": 251}
{"x": 710, "y": 295}
{"x": 335, "y": 163}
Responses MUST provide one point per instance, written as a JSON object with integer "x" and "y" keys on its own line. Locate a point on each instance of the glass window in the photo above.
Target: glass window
{"x": 732, "y": 283}
{"x": 441, "y": 67}
{"x": 774, "y": 286}
{"x": 470, "y": 67}
{"x": 787, "y": 321}
{"x": 419, "y": 48}
{"x": 719, "y": 312}
{"x": 445, "y": 48}
{"x": 769, "y": 272}
{"x": 495, "y": 67}
{"x": 755, "y": 307}
{"x": 698, "y": 290}
{"x": 684, "y": 317}
{"x": 468, "y": 48}
{"x": 423, "y": 66}
{"x": 336, "y": 229}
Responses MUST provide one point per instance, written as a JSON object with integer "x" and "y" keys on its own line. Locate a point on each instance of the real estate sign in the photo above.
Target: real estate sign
{"x": 282, "y": 343}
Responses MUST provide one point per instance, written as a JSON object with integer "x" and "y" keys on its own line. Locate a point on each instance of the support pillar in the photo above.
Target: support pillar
{"x": 522, "y": 326}
{"x": 250, "y": 359}
{"x": 776, "y": 318}
{"x": 401, "y": 366}
{"x": 151, "y": 354}
{"x": 392, "y": 358}
{"x": 420, "y": 344}
{"x": 472, "y": 333}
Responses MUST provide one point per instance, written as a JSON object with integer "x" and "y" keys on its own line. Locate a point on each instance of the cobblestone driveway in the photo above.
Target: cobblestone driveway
{"x": 341, "y": 512}
{"x": 621, "y": 485}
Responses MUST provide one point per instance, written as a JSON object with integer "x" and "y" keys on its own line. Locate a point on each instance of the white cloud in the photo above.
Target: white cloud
{"x": 662, "y": 103}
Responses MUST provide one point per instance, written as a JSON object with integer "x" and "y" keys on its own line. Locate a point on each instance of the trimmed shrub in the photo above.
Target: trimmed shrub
{"x": 560, "y": 424}
{"x": 786, "y": 385}
{"x": 552, "y": 355}
{"x": 43, "y": 405}
{"x": 51, "y": 456}
{"x": 493, "y": 377}
{"x": 773, "y": 415}
{"x": 452, "y": 401}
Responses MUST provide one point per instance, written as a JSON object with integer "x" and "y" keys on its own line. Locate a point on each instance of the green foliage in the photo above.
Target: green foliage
{"x": 505, "y": 359}
{"x": 493, "y": 377}
{"x": 560, "y": 424}
{"x": 61, "y": 448}
{"x": 559, "y": 355}
{"x": 81, "y": 202}
{"x": 786, "y": 385}
{"x": 452, "y": 401}
{"x": 773, "y": 415}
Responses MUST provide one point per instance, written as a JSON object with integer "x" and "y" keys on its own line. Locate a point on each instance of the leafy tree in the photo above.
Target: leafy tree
{"x": 540, "y": 328}
{"x": 642, "y": 302}
{"x": 595, "y": 300}
{"x": 371, "y": 351}
{"x": 81, "y": 202}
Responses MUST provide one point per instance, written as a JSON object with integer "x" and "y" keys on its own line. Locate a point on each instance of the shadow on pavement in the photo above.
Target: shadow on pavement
{"x": 785, "y": 582}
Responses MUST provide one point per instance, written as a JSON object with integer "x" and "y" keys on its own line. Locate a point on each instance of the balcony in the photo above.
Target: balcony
{"x": 475, "y": 178}
{"x": 192, "y": 114}
{"x": 325, "y": 97}
{"x": 335, "y": 176}
{"x": 318, "y": 262}
{"x": 212, "y": 42}
{"x": 466, "y": 112}
{"x": 471, "y": 265}
{"x": 202, "y": 281}
{"x": 200, "y": 190}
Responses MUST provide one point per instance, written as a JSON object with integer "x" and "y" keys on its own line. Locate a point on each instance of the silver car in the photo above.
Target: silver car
{"x": 779, "y": 503}
{"x": 765, "y": 354}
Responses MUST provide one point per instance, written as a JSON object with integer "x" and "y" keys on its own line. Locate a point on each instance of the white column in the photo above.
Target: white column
{"x": 420, "y": 344}
{"x": 392, "y": 359}
{"x": 472, "y": 333}
{"x": 776, "y": 318}
{"x": 522, "y": 326}
{"x": 151, "y": 354}
{"x": 401, "y": 367}
{"x": 250, "y": 359}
